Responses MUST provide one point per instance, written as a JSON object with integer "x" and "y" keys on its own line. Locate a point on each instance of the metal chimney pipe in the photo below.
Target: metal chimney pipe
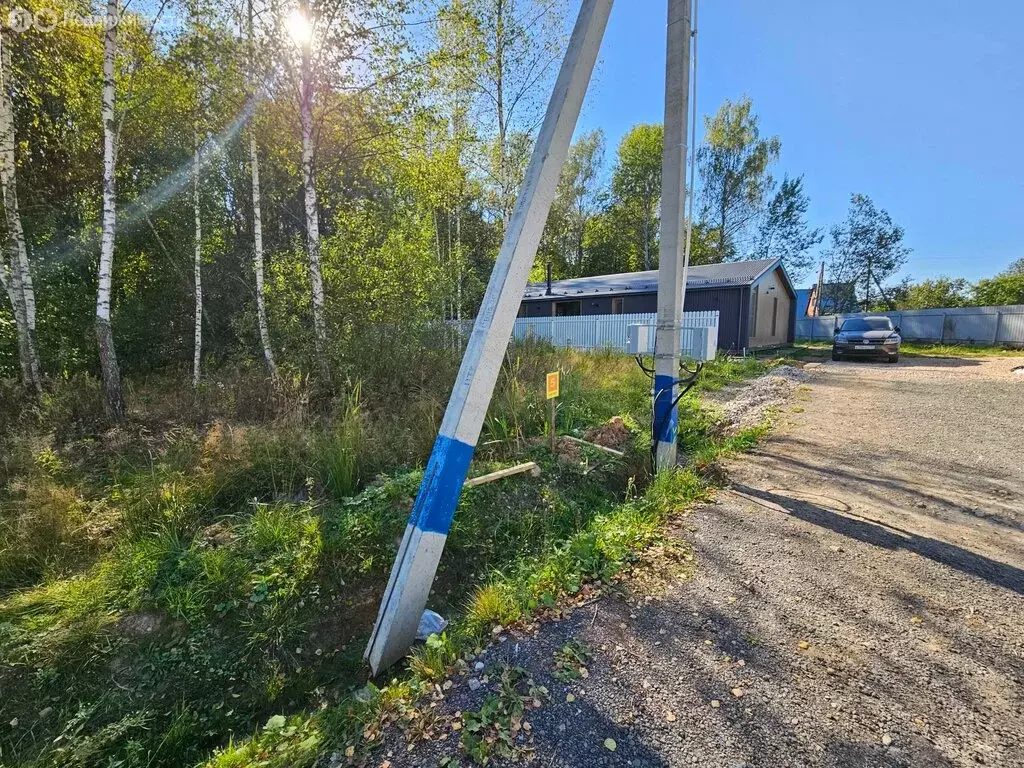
{"x": 549, "y": 278}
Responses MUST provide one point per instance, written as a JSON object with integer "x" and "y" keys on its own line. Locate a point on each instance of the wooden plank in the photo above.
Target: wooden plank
{"x": 604, "y": 448}
{"x": 529, "y": 466}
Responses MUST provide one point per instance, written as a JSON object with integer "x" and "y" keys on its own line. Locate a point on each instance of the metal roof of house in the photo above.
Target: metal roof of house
{"x": 727, "y": 275}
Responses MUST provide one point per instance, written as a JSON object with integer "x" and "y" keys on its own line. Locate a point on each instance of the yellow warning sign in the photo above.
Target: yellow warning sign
{"x": 552, "y": 385}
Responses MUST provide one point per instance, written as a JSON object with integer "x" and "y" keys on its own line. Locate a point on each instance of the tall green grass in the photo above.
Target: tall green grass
{"x": 168, "y": 584}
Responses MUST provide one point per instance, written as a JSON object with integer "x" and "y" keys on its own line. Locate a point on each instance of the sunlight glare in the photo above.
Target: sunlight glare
{"x": 299, "y": 28}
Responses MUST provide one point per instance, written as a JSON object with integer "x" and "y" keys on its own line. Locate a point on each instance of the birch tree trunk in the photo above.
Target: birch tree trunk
{"x": 458, "y": 266}
{"x": 197, "y": 268}
{"x": 112, "y": 393}
{"x": 15, "y": 272}
{"x": 499, "y": 88}
{"x": 257, "y": 256}
{"x": 257, "y": 224}
{"x": 12, "y": 286}
{"x": 316, "y": 280}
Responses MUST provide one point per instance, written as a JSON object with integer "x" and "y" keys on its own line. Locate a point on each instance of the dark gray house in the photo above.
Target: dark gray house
{"x": 755, "y": 299}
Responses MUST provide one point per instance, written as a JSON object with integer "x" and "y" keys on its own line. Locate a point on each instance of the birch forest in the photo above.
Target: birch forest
{"x": 285, "y": 187}
{"x": 189, "y": 185}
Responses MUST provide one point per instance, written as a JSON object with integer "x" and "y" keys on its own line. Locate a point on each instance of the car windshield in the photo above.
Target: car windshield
{"x": 860, "y": 324}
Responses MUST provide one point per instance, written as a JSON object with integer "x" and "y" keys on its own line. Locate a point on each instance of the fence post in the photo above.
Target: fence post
{"x": 999, "y": 321}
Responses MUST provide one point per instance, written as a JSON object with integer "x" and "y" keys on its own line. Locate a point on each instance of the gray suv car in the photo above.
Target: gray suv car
{"x": 868, "y": 337}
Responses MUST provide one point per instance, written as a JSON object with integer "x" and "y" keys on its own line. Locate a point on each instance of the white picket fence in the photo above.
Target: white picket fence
{"x": 699, "y": 338}
{"x": 974, "y": 325}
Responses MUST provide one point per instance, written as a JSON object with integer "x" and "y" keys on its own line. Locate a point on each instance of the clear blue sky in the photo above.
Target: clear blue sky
{"x": 917, "y": 103}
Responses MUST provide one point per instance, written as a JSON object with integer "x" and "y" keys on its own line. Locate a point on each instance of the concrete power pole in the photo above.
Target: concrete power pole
{"x": 821, "y": 287}
{"x": 420, "y": 551}
{"x": 673, "y": 265}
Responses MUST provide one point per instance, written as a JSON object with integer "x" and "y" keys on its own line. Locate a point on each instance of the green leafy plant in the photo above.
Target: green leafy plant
{"x": 495, "y": 730}
{"x": 570, "y": 662}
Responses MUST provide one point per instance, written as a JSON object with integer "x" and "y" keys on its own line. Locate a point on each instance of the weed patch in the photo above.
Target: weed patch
{"x": 192, "y": 591}
{"x": 570, "y": 663}
{"x": 498, "y": 729}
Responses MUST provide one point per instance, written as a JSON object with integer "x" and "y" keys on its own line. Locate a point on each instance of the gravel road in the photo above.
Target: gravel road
{"x": 857, "y": 599}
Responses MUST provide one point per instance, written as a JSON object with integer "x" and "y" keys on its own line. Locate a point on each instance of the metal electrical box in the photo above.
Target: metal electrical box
{"x": 638, "y": 339}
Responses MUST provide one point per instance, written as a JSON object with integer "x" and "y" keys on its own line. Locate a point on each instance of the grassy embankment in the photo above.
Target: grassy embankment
{"x": 805, "y": 348}
{"x": 205, "y": 577}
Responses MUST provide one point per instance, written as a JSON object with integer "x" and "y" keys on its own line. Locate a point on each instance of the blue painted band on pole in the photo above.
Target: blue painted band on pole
{"x": 666, "y": 416}
{"x": 442, "y": 483}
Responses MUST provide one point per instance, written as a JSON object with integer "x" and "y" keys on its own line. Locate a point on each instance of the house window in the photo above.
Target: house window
{"x": 568, "y": 308}
{"x": 617, "y": 306}
{"x": 775, "y": 314}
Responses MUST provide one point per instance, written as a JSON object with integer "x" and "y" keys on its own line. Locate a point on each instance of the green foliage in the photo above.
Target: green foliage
{"x": 919, "y": 349}
{"x": 491, "y": 731}
{"x": 233, "y": 573}
{"x": 937, "y": 293}
{"x": 734, "y": 174}
{"x": 867, "y": 249}
{"x": 726, "y": 370}
{"x": 571, "y": 660}
{"x": 1002, "y": 290}
{"x": 433, "y": 660}
{"x": 636, "y": 189}
{"x": 577, "y": 202}
{"x": 283, "y": 742}
{"x": 784, "y": 232}
{"x": 173, "y": 589}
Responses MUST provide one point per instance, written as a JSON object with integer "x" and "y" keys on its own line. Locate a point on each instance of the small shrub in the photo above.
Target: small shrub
{"x": 71, "y": 405}
{"x": 570, "y": 662}
{"x": 43, "y": 533}
{"x": 338, "y": 452}
{"x": 491, "y": 604}
{"x": 433, "y": 659}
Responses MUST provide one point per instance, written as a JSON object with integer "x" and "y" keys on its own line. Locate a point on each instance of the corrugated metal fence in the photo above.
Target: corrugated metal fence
{"x": 974, "y": 325}
{"x": 699, "y": 339}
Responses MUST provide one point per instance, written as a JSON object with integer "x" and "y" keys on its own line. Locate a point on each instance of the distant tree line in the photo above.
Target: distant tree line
{"x": 258, "y": 183}
{"x": 600, "y": 226}
{"x": 1005, "y": 288}
{"x": 263, "y": 183}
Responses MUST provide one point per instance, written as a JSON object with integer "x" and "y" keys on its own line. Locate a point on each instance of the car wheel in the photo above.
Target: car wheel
{"x": 894, "y": 358}
{"x": 836, "y": 357}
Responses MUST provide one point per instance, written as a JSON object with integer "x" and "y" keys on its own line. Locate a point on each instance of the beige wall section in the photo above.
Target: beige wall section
{"x": 768, "y": 299}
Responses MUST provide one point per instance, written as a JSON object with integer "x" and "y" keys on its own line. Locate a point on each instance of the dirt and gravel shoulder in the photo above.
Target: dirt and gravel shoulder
{"x": 857, "y": 599}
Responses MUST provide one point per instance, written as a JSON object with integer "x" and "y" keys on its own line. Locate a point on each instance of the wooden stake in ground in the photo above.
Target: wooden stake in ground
{"x": 420, "y": 551}
{"x": 552, "y": 388}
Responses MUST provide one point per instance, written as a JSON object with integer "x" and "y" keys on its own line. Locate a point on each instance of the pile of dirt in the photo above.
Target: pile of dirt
{"x": 218, "y": 535}
{"x": 568, "y": 451}
{"x": 612, "y": 434}
{"x": 745, "y": 406}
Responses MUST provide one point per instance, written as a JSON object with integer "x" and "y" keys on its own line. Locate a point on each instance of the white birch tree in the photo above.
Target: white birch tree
{"x": 306, "y": 95}
{"x": 257, "y": 214}
{"x": 15, "y": 273}
{"x": 197, "y": 265}
{"x": 112, "y": 392}
{"x": 505, "y": 55}
{"x": 200, "y": 106}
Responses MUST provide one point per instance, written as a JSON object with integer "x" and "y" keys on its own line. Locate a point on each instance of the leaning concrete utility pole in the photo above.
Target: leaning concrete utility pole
{"x": 420, "y": 551}
{"x": 673, "y": 264}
